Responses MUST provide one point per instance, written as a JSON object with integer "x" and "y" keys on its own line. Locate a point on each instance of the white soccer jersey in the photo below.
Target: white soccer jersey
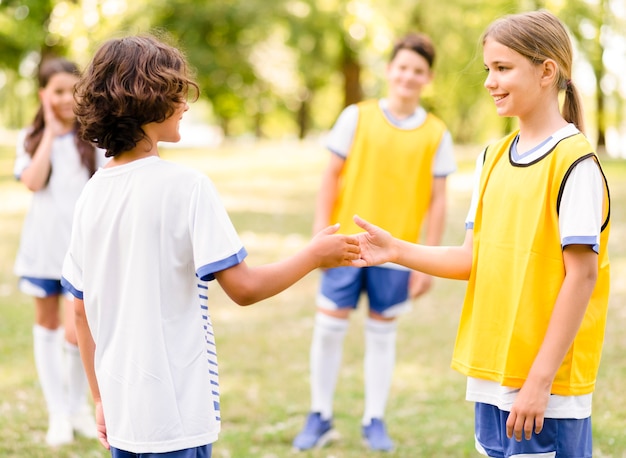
{"x": 48, "y": 223}
{"x": 147, "y": 237}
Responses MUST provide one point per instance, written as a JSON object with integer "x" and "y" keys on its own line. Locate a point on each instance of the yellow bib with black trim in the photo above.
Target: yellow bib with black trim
{"x": 388, "y": 175}
{"x": 518, "y": 270}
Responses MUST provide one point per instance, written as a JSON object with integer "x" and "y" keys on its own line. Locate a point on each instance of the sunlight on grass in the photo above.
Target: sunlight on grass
{"x": 269, "y": 190}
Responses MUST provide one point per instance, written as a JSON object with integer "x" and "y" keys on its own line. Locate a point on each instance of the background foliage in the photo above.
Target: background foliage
{"x": 287, "y": 67}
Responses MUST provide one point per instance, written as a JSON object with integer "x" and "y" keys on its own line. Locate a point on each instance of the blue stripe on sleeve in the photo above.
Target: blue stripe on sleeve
{"x": 75, "y": 292}
{"x": 582, "y": 240}
{"x": 337, "y": 153}
{"x": 207, "y": 271}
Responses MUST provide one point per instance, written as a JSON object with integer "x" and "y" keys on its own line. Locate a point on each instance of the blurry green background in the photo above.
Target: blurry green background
{"x": 274, "y": 75}
{"x": 285, "y": 68}
{"x": 269, "y": 188}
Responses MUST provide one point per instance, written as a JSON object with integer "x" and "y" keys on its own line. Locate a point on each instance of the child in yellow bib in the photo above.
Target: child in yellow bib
{"x": 389, "y": 162}
{"x": 535, "y": 254}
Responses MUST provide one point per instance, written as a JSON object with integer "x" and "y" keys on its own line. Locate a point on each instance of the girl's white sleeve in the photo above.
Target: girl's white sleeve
{"x": 22, "y": 159}
{"x": 341, "y": 135}
{"x": 580, "y": 210}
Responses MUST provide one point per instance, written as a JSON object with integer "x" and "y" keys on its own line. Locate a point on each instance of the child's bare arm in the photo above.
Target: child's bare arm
{"x": 87, "y": 348}
{"x": 378, "y": 246}
{"x": 246, "y": 285}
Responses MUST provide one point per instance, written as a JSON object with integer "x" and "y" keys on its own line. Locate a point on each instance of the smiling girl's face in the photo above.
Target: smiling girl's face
{"x": 513, "y": 81}
{"x": 59, "y": 92}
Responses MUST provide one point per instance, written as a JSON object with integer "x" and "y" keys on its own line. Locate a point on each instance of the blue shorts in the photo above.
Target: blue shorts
{"x": 203, "y": 451}
{"x": 41, "y": 287}
{"x": 560, "y": 437}
{"x": 387, "y": 289}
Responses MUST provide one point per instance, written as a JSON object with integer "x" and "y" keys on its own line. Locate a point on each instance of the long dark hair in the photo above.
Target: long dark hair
{"x": 47, "y": 70}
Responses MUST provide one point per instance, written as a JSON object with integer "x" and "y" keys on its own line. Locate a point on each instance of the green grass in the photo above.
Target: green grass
{"x": 269, "y": 190}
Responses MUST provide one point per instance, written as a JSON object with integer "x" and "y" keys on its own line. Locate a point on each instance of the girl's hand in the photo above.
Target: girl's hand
{"x": 53, "y": 124}
{"x": 376, "y": 243}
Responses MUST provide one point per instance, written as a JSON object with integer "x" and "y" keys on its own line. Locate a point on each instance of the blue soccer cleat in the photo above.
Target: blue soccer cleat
{"x": 315, "y": 434}
{"x": 375, "y": 436}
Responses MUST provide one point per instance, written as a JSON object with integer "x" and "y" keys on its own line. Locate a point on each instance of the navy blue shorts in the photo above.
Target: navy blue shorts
{"x": 41, "y": 287}
{"x": 386, "y": 288}
{"x": 560, "y": 437}
{"x": 203, "y": 451}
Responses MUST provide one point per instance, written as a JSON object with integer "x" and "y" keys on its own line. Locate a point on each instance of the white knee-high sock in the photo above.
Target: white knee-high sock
{"x": 76, "y": 379}
{"x": 48, "y": 351}
{"x": 380, "y": 360}
{"x": 326, "y": 351}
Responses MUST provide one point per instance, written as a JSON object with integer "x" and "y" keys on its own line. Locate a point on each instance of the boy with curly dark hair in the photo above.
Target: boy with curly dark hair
{"x": 147, "y": 237}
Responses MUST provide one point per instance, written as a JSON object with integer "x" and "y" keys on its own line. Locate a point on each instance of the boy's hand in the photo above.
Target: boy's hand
{"x": 376, "y": 244}
{"x": 101, "y": 426}
{"x": 335, "y": 250}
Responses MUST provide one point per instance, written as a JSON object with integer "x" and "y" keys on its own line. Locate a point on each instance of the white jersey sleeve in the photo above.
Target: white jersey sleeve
{"x": 444, "y": 163}
{"x": 22, "y": 158}
{"x": 342, "y": 133}
{"x": 216, "y": 244}
{"x": 580, "y": 210}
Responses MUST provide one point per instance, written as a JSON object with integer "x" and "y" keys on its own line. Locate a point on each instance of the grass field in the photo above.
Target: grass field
{"x": 269, "y": 190}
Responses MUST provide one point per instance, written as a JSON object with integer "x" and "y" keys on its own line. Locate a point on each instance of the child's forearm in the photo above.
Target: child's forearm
{"x": 36, "y": 175}
{"x": 87, "y": 347}
{"x": 247, "y": 285}
{"x": 454, "y": 262}
{"x": 436, "y": 218}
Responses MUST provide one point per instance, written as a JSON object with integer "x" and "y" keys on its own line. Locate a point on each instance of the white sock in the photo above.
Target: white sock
{"x": 76, "y": 379}
{"x": 48, "y": 351}
{"x": 380, "y": 360}
{"x": 326, "y": 351}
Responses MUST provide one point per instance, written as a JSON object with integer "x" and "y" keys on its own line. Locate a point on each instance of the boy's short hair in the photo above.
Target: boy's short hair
{"x": 417, "y": 42}
{"x": 129, "y": 83}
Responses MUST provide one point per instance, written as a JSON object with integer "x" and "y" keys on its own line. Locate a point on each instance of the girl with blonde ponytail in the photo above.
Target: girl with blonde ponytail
{"x": 535, "y": 254}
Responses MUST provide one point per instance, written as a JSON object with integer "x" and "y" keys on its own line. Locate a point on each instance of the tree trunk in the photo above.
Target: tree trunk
{"x": 225, "y": 125}
{"x": 258, "y": 125}
{"x": 303, "y": 119}
{"x": 600, "y": 118}
{"x": 351, "y": 70}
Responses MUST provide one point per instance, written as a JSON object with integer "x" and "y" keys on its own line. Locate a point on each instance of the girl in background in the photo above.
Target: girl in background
{"x": 54, "y": 164}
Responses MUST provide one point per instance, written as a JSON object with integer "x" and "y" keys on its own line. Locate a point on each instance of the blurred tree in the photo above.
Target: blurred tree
{"x": 21, "y": 31}
{"x": 589, "y": 23}
{"x": 292, "y": 65}
{"x": 459, "y": 65}
{"x": 23, "y": 41}
{"x": 219, "y": 38}
{"x": 322, "y": 48}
